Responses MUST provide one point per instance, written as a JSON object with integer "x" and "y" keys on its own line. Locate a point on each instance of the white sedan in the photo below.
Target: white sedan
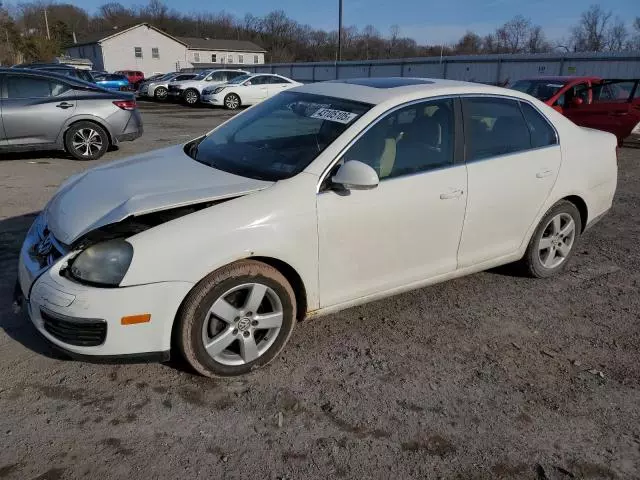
{"x": 324, "y": 197}
{"x": 247, "y": 90}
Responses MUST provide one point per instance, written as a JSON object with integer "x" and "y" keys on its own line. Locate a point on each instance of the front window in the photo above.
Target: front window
{"x": 240, "y": 58}
{"x": 196, "y": 57}
{"x": 256, "y": 59}
{"x": 279, "y": 137}
{"x": 138, "y": 52}
{"x": 238, "y": 80}
{"x": 214, "y": 58}
{"x": 416, "y": 138}
{"x": 541, "y": 89}
{"x": 155, "y": 52}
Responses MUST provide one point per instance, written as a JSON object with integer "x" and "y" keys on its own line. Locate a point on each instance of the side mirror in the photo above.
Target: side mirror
{"x": 576, "y": 101}
{"x": 355, "y": 175}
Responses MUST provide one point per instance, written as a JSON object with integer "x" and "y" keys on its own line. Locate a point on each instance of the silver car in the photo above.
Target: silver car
{"x": 44, "y": 111}
{"x": 158, "y": 88}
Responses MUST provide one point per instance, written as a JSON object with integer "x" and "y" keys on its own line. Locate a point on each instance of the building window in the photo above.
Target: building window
{"x": 196, "y": 57}
{"x": 138, "y": 52}
{"x": 230, "y": 59}
{"x": 155, "y": 52}
{"x": 256, "y": 59}
{"x": 214, "y": 58}
{"x": 240, "y": 58}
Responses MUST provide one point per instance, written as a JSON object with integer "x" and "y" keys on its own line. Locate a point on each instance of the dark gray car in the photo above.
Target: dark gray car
{"x": 44, "y": 111}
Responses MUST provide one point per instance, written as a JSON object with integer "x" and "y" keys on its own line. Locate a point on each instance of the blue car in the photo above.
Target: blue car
{"x": 112, "y": 81}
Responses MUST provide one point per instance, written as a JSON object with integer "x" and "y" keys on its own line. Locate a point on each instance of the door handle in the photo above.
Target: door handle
{"x": 619, "y": 114}
{"x": 451, "y": 195}
{"x": 544, "y": 173}
{"x": 64, "y": 105}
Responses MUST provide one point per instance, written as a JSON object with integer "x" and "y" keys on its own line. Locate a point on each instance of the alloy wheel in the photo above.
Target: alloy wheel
{"x": 87, "y": 142}
{"x": 557, "y": 240}
{"x": 232, "y": 102}
{"x": 191, "y": 97}
{"x": 161, "y": 93}
{"x": 242, "y": 324}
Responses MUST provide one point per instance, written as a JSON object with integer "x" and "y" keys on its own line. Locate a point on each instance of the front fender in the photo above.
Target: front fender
{"x": 279, "y": 222}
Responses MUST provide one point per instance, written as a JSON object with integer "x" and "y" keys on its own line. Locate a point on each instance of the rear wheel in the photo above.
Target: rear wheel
{"x": 232, "y": 101}
{"x": 191, "y": 96}
{"x": 86, "y": 141}
{"x": 160, "y": 93}
{"x": 554, "y": 241}
{"x": 236, "y": 320}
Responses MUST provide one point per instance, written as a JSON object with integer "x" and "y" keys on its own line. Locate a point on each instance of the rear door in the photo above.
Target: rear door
{"x": 278, "y": 84}
{"x": 34, "y": 109}
{"x": 614, "y": 107}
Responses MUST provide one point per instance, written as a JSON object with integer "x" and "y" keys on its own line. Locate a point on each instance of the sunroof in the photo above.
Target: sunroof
{"x": 390, "y": 82}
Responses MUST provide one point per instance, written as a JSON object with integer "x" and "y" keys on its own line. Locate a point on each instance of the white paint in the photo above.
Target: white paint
{"x": 348, "y": 249}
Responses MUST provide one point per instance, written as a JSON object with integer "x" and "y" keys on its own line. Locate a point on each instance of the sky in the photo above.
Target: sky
{"x": 427, "y": 21}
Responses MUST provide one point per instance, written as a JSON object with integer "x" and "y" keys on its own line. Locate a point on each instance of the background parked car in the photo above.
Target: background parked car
{"x": 159, "y": 88}
{"x": 134, "y": 76}
{"x": 62, "y": 69}
{"x": 609, "y": 105}
{"x": 247, "y": 90}
{"x": 43, "y": 110}
{"x": 113, "y": 81}
{"x": 190, "y": 90}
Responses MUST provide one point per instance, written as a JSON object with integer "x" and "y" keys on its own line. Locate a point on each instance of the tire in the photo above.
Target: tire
{"x": 86, "y": 141}
{"x": 160, "y": 93}
{"x": 230, "y": 329}
{"x": 191, "y": 97}
{"x": 232, "y": 102}
{"x": 552, "y": 245}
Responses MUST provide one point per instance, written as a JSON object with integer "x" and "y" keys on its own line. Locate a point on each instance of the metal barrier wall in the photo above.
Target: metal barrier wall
{"x": 493, "y": 69}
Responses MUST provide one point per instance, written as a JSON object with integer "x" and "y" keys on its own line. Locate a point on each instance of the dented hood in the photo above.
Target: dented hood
{"x": 146, "y": 183}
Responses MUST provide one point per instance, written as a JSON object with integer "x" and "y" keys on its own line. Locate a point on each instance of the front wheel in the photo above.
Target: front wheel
{"x": 232, "y": 101}
{"x": 161, "y": 93}
{"x": 554, "y": 241}
{"x": 86, "y": 141}
{"x": 191, "y": 97}
{"x": 236, "y": 320}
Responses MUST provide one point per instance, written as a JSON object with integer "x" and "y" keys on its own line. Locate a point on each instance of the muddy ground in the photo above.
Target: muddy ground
{"x": 492, "y": 376}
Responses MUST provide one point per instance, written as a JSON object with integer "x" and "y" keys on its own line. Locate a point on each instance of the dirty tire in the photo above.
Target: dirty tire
{"x": 532, "y": 262}
{"x": 232, "y": 101}
{"x": 194, "y": 312}
{"x": 86, "y": 141}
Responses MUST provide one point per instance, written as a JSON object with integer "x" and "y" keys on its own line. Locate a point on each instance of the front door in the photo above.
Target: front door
{"x": 513, "y": 159}
{"x": 407, "y": 229}
{"x": 35, "y": 109}
{"x": 255, "y": 89}
{"x": 571, "y": 95}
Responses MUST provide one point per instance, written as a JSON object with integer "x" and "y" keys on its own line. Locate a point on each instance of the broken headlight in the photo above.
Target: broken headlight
{"x": 104, "y": 263}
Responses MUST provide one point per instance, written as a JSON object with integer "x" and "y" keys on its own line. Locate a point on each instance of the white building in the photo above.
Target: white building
{"x": 150, "y": 50}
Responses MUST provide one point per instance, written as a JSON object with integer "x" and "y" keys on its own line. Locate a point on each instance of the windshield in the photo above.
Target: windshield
{"x": 239, "y": 79}
{"x": 201, "y": 75}
{"x": 541, "y": 89}
{"x": 279, "y": 137}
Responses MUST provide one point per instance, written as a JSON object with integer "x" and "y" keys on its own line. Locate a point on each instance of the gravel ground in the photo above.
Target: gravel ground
{"x": 491, "y": 376}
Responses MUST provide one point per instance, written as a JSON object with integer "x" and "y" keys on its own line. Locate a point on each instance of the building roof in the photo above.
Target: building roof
{"x": 196, "y": 43}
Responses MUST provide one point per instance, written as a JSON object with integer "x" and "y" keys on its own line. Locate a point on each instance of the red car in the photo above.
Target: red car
{"x": 134, "y": 76}
{"x": 609, "y": 105}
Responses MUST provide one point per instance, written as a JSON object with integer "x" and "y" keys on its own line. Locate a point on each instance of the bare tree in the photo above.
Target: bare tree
{"x": 616, "y": 36}
{"x": 591, "y": 32}
{"x": 537, "y": 42}
{"x": 513, "y": 35}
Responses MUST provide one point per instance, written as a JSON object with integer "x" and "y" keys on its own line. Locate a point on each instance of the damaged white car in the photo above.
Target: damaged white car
{"x": 320, "y": 198}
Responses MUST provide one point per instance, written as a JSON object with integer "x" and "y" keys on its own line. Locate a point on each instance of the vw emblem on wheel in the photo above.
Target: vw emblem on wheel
{"x": 44, "y": 247}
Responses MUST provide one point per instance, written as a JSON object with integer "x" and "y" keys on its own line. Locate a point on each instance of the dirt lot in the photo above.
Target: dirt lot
{"x": 488, "y": 377}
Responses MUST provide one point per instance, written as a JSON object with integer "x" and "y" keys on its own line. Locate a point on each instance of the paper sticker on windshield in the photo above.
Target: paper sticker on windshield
{"x": 554, "y": 85}
{"x": 334, "y": 115}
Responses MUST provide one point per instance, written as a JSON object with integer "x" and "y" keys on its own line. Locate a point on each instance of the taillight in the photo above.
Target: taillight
{"x": 125, "y": 104}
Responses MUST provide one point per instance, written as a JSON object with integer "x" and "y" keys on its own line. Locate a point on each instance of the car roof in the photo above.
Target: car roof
{"x": 42, "y": 72}
{"x": 561, "y": 78}
{"x": 379, "y": 90}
